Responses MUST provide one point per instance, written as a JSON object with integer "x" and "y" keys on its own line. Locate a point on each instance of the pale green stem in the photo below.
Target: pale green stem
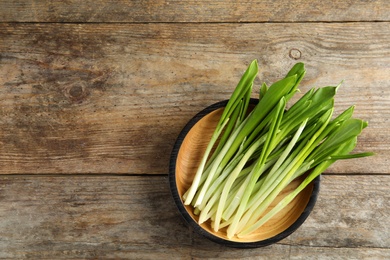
{"x": 195, "y": 183}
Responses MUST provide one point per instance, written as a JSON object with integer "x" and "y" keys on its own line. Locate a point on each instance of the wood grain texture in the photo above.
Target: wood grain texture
{"x": 130, "y": 217}
{"x": 101, "y": 89}
{"x": 193, "y": 11}
{"x": 112, "y": 98}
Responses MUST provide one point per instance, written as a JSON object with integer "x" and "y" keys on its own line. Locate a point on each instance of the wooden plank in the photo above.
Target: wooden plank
{"x": 112, "y": 98}
{"x": 354, "y": 209}
{"x": 193, "y": 11}
{"x": 135, "y": 217}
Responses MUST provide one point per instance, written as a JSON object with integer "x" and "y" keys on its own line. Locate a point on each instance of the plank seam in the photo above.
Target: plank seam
{"x": 340, "y": 247}
{"x": 186, "y": 22}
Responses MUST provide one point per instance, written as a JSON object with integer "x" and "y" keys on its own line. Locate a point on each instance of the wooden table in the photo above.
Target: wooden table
{"x": 94, "y": 93}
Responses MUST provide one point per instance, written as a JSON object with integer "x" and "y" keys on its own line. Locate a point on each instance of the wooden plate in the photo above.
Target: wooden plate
{"x": 186, "y": 155}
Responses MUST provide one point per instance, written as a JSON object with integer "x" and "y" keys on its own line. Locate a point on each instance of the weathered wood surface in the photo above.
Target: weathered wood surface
{"x": 193, "y": 11}
{"x": 94, "y": 93}
{"x": 135, "y": 217}
{"x": 111, "y": 98}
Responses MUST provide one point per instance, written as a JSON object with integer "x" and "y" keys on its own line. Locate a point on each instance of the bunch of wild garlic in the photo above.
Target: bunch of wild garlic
{"x": 261, "y": 151}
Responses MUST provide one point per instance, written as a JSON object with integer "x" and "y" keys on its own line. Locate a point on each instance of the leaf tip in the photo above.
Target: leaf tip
{"x": 339, "y": 85}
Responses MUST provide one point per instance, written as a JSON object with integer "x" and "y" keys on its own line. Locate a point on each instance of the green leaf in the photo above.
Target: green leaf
{"x": 347, "y": 130}
{"x": 263, "y": 90}
{"x": 256, "y": 172}
{"x": 240, "y": 92}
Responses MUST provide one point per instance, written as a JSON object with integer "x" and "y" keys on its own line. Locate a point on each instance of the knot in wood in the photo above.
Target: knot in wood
{"x": 76, "y": 92}
{"x": 295, "y": 54}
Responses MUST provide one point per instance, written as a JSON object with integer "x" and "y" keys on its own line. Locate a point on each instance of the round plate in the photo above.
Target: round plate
{"x": 185, "y": 157}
